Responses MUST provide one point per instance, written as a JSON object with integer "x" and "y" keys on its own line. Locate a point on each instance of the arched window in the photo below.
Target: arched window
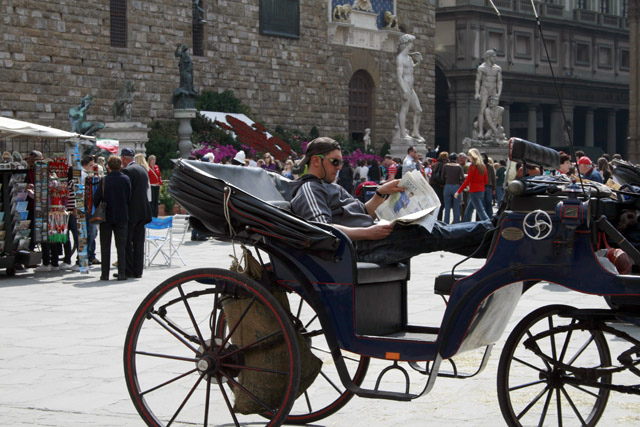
{"x": 360, "y": 104}
{"x": 118, "y": 23}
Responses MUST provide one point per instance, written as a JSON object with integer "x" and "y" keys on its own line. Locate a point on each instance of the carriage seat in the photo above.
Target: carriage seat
{"x": 445, "y": 281}
{"x": 373, "y": 273}
{"x": 521, "y": 150}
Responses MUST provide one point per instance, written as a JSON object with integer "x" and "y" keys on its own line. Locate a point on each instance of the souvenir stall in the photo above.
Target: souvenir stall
{"x": 21, "y": 228}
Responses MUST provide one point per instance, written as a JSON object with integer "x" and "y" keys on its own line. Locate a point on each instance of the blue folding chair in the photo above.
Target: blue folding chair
{"x": 158, "y": 234}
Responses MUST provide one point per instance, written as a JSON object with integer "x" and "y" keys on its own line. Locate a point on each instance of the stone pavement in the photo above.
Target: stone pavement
{"x": 62, "y": 336}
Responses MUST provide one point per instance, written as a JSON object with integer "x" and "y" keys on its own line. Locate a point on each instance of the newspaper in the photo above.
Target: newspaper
{"x": 417, "y": 204}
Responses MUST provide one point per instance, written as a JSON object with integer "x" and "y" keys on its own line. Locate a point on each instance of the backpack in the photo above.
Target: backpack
{"x": 437, "y": 177}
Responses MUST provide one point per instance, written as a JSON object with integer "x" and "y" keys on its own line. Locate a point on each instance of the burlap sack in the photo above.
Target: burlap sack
{"x": 269, "y": 354}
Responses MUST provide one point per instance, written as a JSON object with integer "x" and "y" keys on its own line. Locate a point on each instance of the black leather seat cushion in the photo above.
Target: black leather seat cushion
{"x": 374, "y": 273}
{"x": 532, "y": 153}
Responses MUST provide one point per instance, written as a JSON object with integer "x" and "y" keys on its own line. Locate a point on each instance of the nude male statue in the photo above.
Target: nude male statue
{"x": 488, "y": 82}
{"x": 405, "y": 63}
{"x": 493, "y": 116}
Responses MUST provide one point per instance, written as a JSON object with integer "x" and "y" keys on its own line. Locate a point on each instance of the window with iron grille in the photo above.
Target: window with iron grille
{"x": 280, "y": 18}
{"x": 197, "y": 26}
{"x": 118, "y": 21}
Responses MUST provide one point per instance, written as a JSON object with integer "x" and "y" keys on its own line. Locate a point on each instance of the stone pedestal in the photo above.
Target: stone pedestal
{"x": 132, "y": 135}
{"x": 361, "y": 30}
{"x": 184, "y": 130}
{"x": 496, "y": 149}
{"x": 399, "y": 146}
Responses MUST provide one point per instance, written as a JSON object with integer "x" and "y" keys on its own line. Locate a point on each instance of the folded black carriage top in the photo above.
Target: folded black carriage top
{"x": 245, "y": 204}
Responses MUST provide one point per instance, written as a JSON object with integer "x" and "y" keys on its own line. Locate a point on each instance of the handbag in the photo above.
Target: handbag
{"x": 100, "y": 214}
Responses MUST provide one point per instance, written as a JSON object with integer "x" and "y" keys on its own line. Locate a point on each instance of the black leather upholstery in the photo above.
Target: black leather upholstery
{"x": 529, "y": 152}
{"x": 374, "y": 273}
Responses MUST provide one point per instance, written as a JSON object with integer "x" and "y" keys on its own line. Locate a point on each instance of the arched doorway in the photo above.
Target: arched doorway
{"x": 360, "y": 108}
{"x": 442, "y": 111}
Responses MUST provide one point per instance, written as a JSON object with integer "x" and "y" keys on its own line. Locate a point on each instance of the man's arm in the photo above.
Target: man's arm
{"x": 499, "y": 81}
{"x": 478, "y": 82}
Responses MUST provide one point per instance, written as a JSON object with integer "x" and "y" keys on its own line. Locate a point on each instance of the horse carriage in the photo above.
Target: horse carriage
{"x": 288, "y": 337}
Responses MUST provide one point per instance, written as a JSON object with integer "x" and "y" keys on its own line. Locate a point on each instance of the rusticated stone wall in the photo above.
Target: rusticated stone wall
{"x": 54, "y": 52}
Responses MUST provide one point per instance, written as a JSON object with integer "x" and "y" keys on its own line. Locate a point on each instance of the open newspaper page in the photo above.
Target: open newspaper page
{"x": 417, "y": 204}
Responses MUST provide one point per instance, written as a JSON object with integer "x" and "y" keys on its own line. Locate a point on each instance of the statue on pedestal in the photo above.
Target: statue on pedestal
{"x": 364, "y": 5}
{"x": 78, "y": 117}
{"x": 185, "y": 95}
{"x": 121, "y": 108}
{"x": 367, "y": 139}
{"x": 405, "y": 63}
{"x": 488, "y": 83}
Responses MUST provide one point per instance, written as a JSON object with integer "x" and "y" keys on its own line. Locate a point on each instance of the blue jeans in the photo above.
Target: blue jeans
{"x": 488, "y": 199}
{"x": 410, "y": 240}
{"x": 92, "y": 233}
{"x": 475, "y": 202}
{"x": 499, "y": 194}
{"x": 449, "y": 202}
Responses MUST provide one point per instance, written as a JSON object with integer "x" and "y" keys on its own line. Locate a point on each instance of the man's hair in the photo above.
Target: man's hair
{"x": 564, "y": 157}
{"x": 404, "y": 40}
{"x": 490, "y": 52}
{"x": 410, "y": 149}
{"x": 86, "y": 160}
{"x": 388, "y": 156}
{"x": 114, "y": 162}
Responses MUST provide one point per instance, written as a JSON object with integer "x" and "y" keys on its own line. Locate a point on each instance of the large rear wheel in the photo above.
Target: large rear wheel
{"x": 183, "y": 370}
{"x": 546, "y": 374}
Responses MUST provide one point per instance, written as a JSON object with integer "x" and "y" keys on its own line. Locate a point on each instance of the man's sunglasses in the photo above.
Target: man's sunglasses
{"x": 335, "y": 162}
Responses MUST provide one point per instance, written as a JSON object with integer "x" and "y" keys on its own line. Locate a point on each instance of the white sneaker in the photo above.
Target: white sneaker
{"x": 42, "y": 268}
{"x": 65, "y": 266}
{"x": 75, "y": 267}
{"x": 55, "y": 268}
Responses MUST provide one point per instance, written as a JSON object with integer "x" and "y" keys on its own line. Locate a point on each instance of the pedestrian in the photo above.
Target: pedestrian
{"x": 287, "y": 171}
{"x": 155, "y": 180}
{"x": 453, "y": 176}
{"x": 437, "y": 179}
{"x": 72, "y": 227}
{"x": 501, "y": 172}
{"x": 115, "y": 191}
{"x": 89, "y": 170}
{"x": 476, "y": 179}
{"x": 588, "y": 171}
{"x": 345, "y": 176}
{"x": 139, "y": 213}
{"x": 605, "y": 169}
{"x": 374, "y": 172}
{"x": 489, "y": 189}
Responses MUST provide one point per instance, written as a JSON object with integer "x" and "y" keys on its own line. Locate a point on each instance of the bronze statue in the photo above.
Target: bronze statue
{"x": 78, "y": 117}
{"x": 185, "y": 95}
{"x": 121, "y": 108}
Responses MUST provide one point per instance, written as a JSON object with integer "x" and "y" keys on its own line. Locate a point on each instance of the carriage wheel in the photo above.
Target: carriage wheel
{"x": 534, "y": 392}
{"x": 326, "y": 395}
{"x": 180, "y": 370}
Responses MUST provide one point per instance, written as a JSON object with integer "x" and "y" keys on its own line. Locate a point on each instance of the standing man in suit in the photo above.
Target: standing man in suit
{"x": 139, "y": 213}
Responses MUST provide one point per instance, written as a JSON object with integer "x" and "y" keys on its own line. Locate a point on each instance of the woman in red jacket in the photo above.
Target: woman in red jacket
{"x": 476, "y": 179}
{"x": 155, "y": 180}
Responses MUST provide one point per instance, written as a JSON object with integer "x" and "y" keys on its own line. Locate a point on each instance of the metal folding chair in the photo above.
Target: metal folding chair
{"x": 179, "y": 231}
{"x": 158, "y": 240}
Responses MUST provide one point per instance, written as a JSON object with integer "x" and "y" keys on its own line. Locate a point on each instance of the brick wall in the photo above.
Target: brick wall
{"x": 54, "y": 52}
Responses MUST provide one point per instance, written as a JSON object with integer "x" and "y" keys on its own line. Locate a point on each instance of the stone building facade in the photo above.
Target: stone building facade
{"x": 53, "y": 52}
{"x": 589, "y": 50}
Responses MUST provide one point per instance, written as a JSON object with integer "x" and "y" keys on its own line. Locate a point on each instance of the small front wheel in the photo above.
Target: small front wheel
{"x": 544, "y": 372}
{"x": 182, "y": 369}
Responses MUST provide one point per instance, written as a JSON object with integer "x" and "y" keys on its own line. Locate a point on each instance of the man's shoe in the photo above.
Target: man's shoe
{"x": 65, "y": 266}
{"x": 117, "y": 276}
{"x": 42, "y": 268}
{"x": 104, "y": 278}
{"x": 55, "y": 268}
{"x": 95, "y": 261}
{"x": 75, "y": 267}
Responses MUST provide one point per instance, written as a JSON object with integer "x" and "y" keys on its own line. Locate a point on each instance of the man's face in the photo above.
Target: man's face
{"x": 564, "y": 167}
{"x": 584, "y": 168}
{"x": 330, "y": 169}
{"x": 462, "y": 160}
{"x": 89, "y": 166}
{"x": 32, "y": 159}
{"x": 413, "y": 154}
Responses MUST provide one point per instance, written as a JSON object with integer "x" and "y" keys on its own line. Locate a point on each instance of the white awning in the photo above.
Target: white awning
{"x": 11, "y": 128}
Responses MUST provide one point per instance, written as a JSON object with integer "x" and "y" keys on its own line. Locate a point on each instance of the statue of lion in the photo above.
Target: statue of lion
{"x": 342, "y": 12}
{"x": 121, "y": 108}
{"x": 390, "y": 20}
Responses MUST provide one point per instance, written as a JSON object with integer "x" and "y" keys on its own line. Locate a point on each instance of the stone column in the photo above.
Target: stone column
{"x": 558, "y": 127}
{"x": 184, "y": 115}
{"x": 611, "y": 132}
{"x": 588, "y": 128}
{"x": 532, "y": 123}
{"x": 633, "y": 149}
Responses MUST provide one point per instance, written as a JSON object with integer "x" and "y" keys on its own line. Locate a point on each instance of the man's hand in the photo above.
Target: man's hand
{"x": 455, "y": 195}
{"x": 390, "y": 187}
{"x": 478, "y": 97}
{"x": 378, "y": 232}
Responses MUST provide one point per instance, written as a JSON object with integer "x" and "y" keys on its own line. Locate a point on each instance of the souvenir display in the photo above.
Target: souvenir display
{"x": 58, "y": 195}
{"x": 81, "y": 221}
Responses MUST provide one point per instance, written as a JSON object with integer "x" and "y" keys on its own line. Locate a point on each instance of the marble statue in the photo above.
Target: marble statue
{"x": 185, "y": 95}
{"x": 391, "y": 21}
{"x": 493, "y": 120}
{"x": 78, "y": 117}
{"x": 121, "y": 108}
{"x": 367, "y": 139}
{"x": 364, "y": 5}
{"x": 488, "y": 83}
{"x": 342, "y": 12}
{"x": 406, "y": 61}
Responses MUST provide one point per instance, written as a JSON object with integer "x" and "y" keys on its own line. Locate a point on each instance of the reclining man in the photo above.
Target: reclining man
{"x": 317, "y": 198}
